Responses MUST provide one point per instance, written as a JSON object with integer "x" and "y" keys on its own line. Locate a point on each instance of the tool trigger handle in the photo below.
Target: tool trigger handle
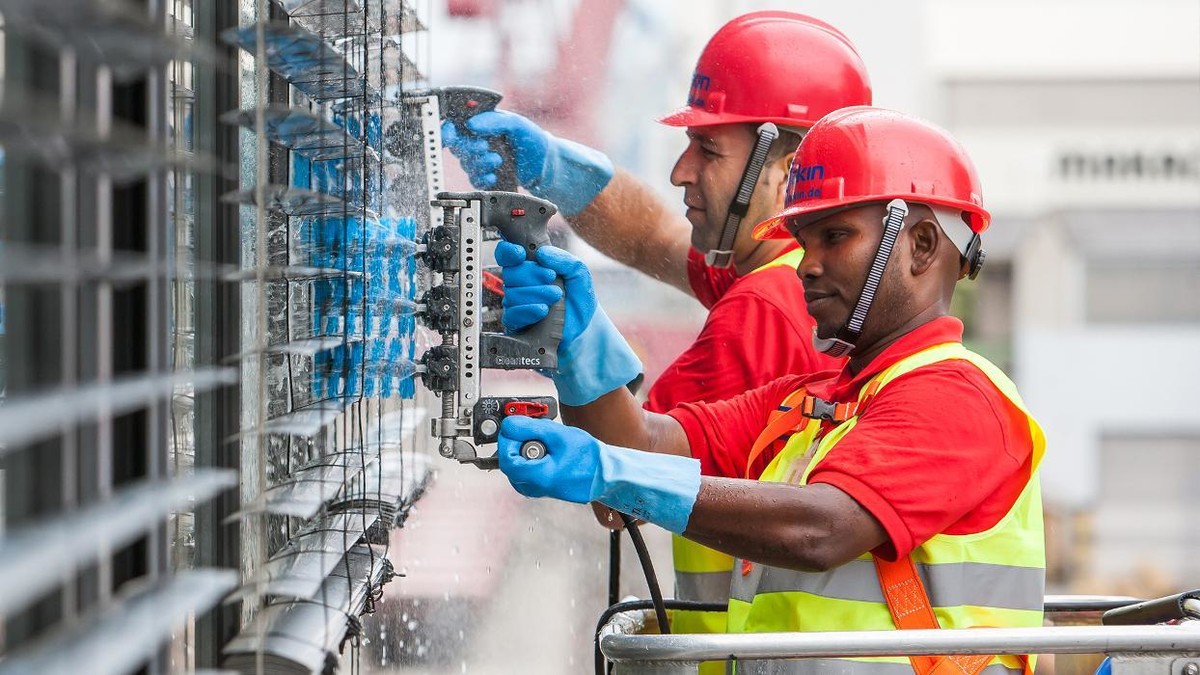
{"x": 459, "y": 104}
{"x": 523, "y": 220}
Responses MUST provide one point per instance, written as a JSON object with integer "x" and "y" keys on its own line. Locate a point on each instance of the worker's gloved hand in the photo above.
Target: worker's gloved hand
{"x": 593, "y": 358}
{"x": 661, "y": 489}
{"x": 562, "y": 171}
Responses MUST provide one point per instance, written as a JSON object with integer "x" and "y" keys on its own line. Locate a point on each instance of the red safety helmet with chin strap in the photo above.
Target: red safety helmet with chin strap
{"x": 773, "y": 66}
{"x": 862, "y": 155}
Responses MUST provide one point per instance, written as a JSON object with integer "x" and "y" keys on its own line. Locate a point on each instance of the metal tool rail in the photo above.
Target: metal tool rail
{"x": 633, "y": 653}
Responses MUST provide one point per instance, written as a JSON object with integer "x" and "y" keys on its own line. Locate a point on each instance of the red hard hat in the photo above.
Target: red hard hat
{"x": 773, "y": 66}
{"x": 862, "y": 155}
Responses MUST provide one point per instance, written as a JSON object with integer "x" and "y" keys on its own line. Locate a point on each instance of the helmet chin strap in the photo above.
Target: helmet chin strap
{"x": 843, "y": 341}
{"x": 722, "y": 255}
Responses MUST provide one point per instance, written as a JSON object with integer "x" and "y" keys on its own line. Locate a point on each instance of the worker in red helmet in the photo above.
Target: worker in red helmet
{"x": 898, "y": 492}
{"x": 762, "y": 80}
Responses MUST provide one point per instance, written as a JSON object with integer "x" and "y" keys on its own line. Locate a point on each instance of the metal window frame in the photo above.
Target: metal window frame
{"x": 219, "y": 310}
{"x": 293, "y": 425}
{"x": 82, "y": 340}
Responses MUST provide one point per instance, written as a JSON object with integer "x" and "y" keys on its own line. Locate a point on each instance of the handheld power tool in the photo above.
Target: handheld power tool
{"x": 455, "y": 308}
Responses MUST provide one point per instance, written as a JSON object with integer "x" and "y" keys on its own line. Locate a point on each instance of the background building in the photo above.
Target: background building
{"x": 1086, "y": 133}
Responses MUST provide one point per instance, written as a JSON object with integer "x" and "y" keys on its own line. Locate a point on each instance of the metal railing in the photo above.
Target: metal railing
{"x": 1159, "y": 649}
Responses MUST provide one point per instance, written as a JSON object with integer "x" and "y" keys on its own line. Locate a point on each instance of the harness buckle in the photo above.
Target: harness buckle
{"x": 820, "y": 409}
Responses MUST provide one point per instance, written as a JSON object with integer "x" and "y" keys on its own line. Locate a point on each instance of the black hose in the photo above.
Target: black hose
{"x": 1160, "y": 610}
{"x": 614, "y": 567}
{"x": 656, "y": 598}
{"x": 634, "y": 605}
{"x": 639, "y": 544}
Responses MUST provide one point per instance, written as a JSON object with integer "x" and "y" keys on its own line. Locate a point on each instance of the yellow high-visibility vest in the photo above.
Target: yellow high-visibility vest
{"x": 994, "y": 578}
{"x": 701, "y": 573}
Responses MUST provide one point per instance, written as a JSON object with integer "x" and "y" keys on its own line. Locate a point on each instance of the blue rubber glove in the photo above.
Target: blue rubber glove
{"x": 593, "y": 358}
{"x": 661, "y": 489}
{"x": 562, "y": 171}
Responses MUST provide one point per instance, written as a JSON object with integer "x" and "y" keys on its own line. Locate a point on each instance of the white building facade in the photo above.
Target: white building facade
{"x": 1084, "y": 120}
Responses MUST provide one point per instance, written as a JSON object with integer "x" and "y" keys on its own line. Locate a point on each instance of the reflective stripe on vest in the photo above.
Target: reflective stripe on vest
{"x": 702, "y": 574}
{"x": 962, "y": 573}
{"x": 961, "y": 583}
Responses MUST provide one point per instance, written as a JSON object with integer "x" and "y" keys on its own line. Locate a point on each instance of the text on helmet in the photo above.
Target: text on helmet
{"x": 799, "y": 180}
{"x": 700, "y": 85}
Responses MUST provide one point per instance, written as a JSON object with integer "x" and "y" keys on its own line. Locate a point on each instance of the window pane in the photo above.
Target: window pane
{"x": 1138, "y": 291}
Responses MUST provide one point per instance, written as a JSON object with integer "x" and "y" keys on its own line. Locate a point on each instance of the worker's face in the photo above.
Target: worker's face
{"x": 838, "y": 251}
{"x": 709, "y": 171}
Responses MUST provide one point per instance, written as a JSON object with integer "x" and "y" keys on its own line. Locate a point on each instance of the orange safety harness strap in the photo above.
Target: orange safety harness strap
{"x": 908, "y": 603}
{"x": 778, "y": 426}
{"x": 807, "y": 407}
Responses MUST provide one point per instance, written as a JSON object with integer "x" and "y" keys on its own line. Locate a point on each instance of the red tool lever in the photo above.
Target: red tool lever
{"x": 493, "y": 283}
{"x": 526, "y": 408}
